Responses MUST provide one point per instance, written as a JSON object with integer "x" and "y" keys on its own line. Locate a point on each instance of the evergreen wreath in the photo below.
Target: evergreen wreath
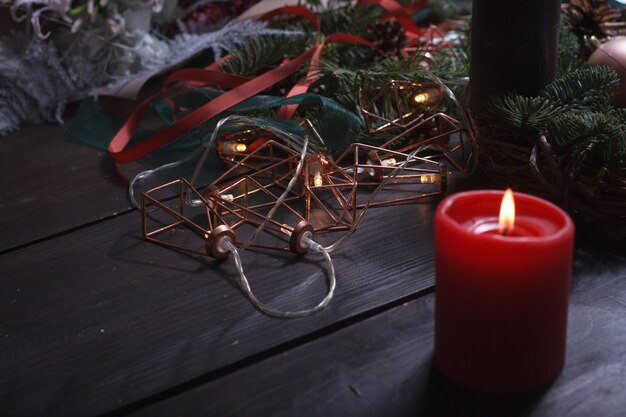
{"x": 574, "y": 112}
{"x": 345, "y": 65}
{"x": 567, "y": 144}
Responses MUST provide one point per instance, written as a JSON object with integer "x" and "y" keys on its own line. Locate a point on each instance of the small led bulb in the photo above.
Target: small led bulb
{"x": 422, "y": 98}
{"x": 429, "y": 179}
{"x": 317, "y": 180}
{"x": 389, "y": 162}
{"x": 315, "y": 170}
{"x": 227, "y": 197}
{"x": 285, "y": 229}
{"x": 234, "y": 147}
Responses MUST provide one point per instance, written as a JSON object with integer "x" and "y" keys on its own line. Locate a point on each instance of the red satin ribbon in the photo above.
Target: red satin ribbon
{"x": 239, "y": 89}
{"x": 194, "y": 77}
{"x": 242, "y": 90}
{"x": 287, "y": 111}
{"x": 398, "y": 11}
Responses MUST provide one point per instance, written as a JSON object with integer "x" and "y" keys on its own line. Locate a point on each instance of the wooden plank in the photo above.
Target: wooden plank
{"x": 97, "y": 319}
{"x": 384, "y": 366}
{"x": 50, "y": 185}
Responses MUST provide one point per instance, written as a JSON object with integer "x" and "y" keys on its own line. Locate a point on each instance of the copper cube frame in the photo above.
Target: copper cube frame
{"x": 340, "y": 182}
{"x": 392, "y": 89}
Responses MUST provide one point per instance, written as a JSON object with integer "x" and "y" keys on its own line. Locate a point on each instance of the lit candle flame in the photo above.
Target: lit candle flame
{"x": 506, "y": 221}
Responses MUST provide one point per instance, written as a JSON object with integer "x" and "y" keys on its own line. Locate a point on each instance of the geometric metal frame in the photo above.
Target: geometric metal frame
{"x": 325, "y": 198}
{"x": 401, "y": 112}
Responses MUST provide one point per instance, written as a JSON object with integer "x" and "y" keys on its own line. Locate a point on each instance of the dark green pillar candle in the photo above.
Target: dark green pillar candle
{"x": 513, "y": 46}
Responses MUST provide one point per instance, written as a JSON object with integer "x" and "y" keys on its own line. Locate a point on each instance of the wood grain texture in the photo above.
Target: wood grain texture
{"x": 383, "y": 366}
{"x": 50, "y": 185}
{"x": 98, "y": 318}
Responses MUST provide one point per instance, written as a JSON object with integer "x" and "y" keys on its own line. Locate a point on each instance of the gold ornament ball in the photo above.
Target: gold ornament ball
{"x": 613, "y": 54}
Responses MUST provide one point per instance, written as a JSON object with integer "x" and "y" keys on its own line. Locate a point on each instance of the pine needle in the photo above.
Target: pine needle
{"x": 263, "y": 53}
{"x": 529, "y": 114}
{"x": 583, "y": 89}
{"x": 574, "y": 111}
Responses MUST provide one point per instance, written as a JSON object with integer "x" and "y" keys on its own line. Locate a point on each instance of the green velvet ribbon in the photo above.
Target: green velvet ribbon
{"x": 336, "y": 125}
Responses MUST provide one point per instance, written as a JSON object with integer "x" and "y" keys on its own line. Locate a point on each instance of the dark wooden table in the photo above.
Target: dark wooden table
{"x": 93, "y": 320}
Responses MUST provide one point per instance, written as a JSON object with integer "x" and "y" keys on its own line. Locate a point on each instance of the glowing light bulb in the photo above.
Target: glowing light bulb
{"x": 422, "y": 98}
{"x": 429, "y": 179}
{"x": 227, "y": 197}
{"x": 317, "y": 180}
{"x": 389, "y": 162}
{"x": 506, "y": 221}
{"x": 316, "y": 169}
{"x": 234, "y": 147}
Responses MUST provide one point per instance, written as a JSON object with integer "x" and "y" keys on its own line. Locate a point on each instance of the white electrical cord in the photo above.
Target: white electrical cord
{"x": 271, "y": 311}
{"x": 149, "y": 172}
{"x": 325, "y": 251}
{"x": 228, "y": 245}
{"x": 282, "y": 197}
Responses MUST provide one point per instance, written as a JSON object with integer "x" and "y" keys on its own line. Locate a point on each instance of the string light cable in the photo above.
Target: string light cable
{"x": 227, "y": 244}
{"x": 306, "y": 240}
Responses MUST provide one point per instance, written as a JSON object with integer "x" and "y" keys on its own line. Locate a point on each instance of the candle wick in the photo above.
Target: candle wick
{"x": 505, "y": 231}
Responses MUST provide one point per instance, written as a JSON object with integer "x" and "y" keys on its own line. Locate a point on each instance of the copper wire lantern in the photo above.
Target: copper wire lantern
{"x": 280, "y": 189}
{"x": 396, "y": 105}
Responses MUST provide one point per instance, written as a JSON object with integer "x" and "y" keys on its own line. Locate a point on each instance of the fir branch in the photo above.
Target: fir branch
{"x": 451, "y": 64}
{"x": 390, "y": 69}
{"x": 350, "y": 56}
{"x": 583, "y": 89}
{"x": 264, "y": 52}
{"x": 574, "y": 111}
{"x": 529, "y": 114}
{"x": 568, "y": 59}
{"x": 605, "y": 130}
{"x": 334, "y": 17}
{"x": 337, "y": 83}
{"x": 347, "y": 19}
{"x": 344, "y": 82}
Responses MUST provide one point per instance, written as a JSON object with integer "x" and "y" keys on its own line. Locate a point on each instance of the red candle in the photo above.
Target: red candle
{"x": 502, "y": 291}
